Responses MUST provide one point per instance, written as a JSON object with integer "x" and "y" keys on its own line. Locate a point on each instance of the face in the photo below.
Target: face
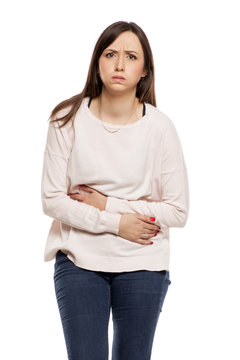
{"x": 121, "y": 64}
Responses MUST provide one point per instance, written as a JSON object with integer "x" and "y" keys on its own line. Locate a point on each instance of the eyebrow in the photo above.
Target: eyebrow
{"x": 126, "y": 51}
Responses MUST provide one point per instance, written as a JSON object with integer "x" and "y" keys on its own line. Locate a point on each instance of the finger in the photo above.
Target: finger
{"x": 76, "y": 196}
{"x": 147, "y": 228}
{"x": 144, "y": 242}
{"x": 146, "y": 237}
{"x": 73, "y": 197}
{"x": 149, "y": 220}
{"x": 151, "y": 231}
{"x": 86, "y": 188}
{"x": 153, "y": 228}
{"x": 148, "y": 231}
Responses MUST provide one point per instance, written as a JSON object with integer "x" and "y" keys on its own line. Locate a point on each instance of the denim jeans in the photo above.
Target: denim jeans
{"x": 85, "y": 298}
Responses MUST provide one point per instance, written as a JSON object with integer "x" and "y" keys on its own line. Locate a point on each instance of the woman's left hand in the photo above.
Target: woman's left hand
{"x": 93, "y": 197}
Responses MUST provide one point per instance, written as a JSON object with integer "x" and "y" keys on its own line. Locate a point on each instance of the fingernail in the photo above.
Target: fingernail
{"x": 151, "y": 242}
{"x": 68, "y": 194}
{"x": 152, "y": 219}
{"x": 155, "y": 234}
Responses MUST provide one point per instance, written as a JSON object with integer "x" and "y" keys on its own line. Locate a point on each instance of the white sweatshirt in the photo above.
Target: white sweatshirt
{"x": 140, "y": 168}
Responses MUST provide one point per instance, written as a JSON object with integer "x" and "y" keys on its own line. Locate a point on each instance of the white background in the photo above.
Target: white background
{"x": 46, "y": 48}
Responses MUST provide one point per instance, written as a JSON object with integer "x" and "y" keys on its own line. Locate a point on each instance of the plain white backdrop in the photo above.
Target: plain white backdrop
{"x": 45, "y": 52}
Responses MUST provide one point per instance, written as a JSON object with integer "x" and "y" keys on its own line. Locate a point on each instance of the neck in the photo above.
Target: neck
{"x": 118, "y": 107}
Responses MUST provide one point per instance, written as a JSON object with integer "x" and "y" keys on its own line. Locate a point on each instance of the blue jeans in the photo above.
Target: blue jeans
{"x": 85, "y": 298}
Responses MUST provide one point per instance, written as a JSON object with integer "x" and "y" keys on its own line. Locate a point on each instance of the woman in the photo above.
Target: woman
{"x": 114, "y": 179}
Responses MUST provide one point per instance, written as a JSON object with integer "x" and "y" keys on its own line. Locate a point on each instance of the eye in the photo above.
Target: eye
{"x": 109, "y": 55}
{"x": 132, "y": 57}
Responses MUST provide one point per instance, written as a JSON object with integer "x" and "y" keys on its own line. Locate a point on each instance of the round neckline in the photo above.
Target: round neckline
{"x": 86, "y": 100}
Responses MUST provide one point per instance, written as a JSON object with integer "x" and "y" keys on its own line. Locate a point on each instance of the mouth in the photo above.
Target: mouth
{"x": 118, "y": 78}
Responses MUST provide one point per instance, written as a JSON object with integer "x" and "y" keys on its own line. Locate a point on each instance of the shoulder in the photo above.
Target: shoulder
{"x": 63, "y": 135}
{"x": 159, "y": 119}
{"x": 59, "y": 122}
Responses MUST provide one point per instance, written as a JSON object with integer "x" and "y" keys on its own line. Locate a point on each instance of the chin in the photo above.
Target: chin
{"x": 116, "y": 89}
{"x": 119, "y": 89}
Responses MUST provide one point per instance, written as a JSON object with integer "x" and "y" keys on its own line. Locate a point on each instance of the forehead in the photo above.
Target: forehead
{"x": 127, "y": 40}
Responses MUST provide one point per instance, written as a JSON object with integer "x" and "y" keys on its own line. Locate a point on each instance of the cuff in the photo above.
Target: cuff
{"x": 111, "y": 222}
{"x": 113, "y": 204}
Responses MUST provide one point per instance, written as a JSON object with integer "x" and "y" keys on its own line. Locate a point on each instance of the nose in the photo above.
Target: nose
{"x": 119, "y": 65}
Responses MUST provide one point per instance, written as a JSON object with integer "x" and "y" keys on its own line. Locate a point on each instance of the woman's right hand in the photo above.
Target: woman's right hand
{"x": 133, "y": 226}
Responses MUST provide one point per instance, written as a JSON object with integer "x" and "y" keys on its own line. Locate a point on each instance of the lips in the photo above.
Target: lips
{"x": 118, "y": 78}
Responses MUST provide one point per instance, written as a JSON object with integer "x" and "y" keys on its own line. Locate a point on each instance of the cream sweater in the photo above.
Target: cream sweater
{"x": 140, "y": 168}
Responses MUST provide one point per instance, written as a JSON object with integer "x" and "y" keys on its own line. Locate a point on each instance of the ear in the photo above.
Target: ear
{"x": 144, "y": 74}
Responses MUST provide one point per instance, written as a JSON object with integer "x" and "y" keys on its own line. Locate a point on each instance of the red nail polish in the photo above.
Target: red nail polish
{"x": 152, "y": 219}
{"x": 151, "y": 242}
{"x": 155, "y": 234}
{"x": 68, "y": 194}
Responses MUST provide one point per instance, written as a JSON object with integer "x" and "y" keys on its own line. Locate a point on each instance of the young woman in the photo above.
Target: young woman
{"x": 114, "y": 181}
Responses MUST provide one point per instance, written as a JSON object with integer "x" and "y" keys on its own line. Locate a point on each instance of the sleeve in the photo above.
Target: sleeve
{"x": 55, "y": 202}
{"x": 173, "y": 209}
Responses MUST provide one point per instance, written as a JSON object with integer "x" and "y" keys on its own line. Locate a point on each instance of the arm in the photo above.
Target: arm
{"x": 55, "y": 202}
{"x": 172, "y": 211}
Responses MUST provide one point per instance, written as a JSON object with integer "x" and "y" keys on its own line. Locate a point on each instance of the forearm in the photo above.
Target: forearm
{"x": 81, "y": 216}
{"x": 56, "y": 203}
{"x": 172, "y": 211}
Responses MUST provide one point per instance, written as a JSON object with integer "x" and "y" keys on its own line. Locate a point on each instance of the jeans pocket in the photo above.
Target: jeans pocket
{"x": 61, "y": 258}
{"x": 164, "y": 288}
{"x": 168, "y": 277}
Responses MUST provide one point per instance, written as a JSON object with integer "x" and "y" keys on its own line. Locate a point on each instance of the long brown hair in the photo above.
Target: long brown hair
{"x": 145, "y": 90}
